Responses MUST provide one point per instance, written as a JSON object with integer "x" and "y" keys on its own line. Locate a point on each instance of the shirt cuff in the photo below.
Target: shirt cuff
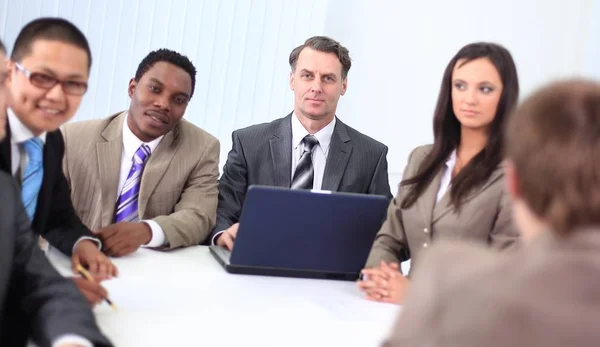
{"x": 158, "y": 235}
{"x": 214, "y": 239}
{"x": 71, "y": 339}
{"x": 97, "y": 241}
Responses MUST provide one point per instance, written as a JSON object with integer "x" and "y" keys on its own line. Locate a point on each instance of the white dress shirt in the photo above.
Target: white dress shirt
{"x": 19, "y": 133}
{"x": 320, "y": 151}
{"x": 447, "y": 178}
{"x": 130, "y": 145}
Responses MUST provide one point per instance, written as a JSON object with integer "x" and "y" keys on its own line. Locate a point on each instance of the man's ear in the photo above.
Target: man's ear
{"x": 131, "y": 88}
{"x": 292, "y": 80}
{"x": 344, "y": 86}
{"x": 512, "y": 180}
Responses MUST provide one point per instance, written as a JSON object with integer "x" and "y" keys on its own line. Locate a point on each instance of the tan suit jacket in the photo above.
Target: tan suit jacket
{"x": 543, "y": 294}
{"x": 178, "y": 187}
{"x": 485, "y": 216}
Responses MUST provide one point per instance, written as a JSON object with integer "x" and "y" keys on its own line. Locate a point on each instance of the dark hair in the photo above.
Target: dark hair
{"x": 446, "y": 128}
{"x": 327, "y": 45}
{"x": 2, "y": 48}
{"x": 168, "y": 56}
{"x": 55, "y": 29}
{"x": 553, "y": 142}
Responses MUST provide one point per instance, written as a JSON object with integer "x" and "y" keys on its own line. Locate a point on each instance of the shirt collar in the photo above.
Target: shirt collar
{"x": 451, "y": 162}
{"x": 19, "y": 133}
{"x": 323, "y": 135}
{"x": 131, "y": 143}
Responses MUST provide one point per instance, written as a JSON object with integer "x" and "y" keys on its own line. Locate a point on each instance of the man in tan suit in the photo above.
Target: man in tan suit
{"x": 145, "y": 177}
{"x": 546, "y": 293}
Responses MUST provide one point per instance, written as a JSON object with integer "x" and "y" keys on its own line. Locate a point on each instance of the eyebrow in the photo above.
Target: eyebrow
{"x": 330, "y": 74}
{"x": 480, "y": 83}
{"x": 152, "y": 79}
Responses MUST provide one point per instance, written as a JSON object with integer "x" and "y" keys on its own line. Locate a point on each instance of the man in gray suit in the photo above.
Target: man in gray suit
{"x": 547, "y": 292}
{"x": 53, "y": 311}
{"x": 310, "y": 148}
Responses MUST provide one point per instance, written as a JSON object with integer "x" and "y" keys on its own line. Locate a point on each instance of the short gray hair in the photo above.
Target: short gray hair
{"x": 327, "y": 45}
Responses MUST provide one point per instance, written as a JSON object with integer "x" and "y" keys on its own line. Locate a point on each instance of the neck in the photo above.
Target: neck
{"x": 472, "y": 141}
{"x": 530, "y": 226}
{"x": 313, "y": 125}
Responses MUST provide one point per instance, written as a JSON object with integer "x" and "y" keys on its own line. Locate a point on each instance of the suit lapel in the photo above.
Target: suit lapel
{"x": 340, "y": 149}
{"x": 427, "y": 200}
{"x": 156, "y": 167}
{"x": 109, "y": 166}
{"x": 445, "y": 206}
{"x": 281, "y": 153}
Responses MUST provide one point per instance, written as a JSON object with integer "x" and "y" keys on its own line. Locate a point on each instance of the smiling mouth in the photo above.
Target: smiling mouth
{"x": 158, "y": 116}
{"x": 52, "y": 111}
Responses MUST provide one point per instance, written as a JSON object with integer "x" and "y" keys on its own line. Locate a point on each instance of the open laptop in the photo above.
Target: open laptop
{"x": 302, "y": 233}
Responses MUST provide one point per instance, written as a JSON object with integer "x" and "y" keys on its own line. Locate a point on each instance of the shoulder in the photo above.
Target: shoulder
{"x": 361, "y": 139}
{"x": 86, "y": 127}
{"x": 191, "y": 132}
{"x": 263, "y": 129}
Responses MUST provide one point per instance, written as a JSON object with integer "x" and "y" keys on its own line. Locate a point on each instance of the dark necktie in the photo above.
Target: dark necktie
{"x": 305, "y": 173}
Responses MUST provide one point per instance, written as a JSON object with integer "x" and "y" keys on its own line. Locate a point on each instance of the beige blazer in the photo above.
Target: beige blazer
{"x": 179, "y": 184}
{"x": 543, "y": 294}
{"x": 485, "y": 216}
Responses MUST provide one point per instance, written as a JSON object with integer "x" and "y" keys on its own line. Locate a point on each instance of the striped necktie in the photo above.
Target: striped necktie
{"x": 33, "y": 175}
{"x": 127, "y": 204}
{"x": 304, "y": 174}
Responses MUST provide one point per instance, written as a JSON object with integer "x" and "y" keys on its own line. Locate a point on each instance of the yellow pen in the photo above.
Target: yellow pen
{"x": 89, "y": 277}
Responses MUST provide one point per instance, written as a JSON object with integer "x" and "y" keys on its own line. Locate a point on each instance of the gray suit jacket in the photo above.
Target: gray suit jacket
{"x": 485, "y": 216}
{"x": 179, "y": 184}
{"x": 262, "y": 155}
{"x": 35, "y": 300}
{"x": 543, "y": 294}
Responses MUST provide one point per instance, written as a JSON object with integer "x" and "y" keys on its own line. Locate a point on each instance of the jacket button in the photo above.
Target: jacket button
{"x": 425, "y": 230}
{"x": 425, "y": 245}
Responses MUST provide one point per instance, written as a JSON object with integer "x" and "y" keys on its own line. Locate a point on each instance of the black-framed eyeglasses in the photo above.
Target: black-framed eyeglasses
{"x": 45, "y": 81}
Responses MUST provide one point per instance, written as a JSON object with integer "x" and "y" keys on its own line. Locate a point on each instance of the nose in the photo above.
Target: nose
{"x": 56, "y": 93}
{"x": 162, "y": 102}
{"x": 316, "y": 86}
{"x": 471, "y": 97}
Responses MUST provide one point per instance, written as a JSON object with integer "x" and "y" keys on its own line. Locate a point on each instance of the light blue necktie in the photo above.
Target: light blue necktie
{"x": 33, "y": 175}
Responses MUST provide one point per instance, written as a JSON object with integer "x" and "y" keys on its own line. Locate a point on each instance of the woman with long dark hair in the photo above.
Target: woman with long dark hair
{"x": 453, "y": 189}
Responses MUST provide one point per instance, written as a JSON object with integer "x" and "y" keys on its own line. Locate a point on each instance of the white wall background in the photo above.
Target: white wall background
{"x": 240, "y": 48}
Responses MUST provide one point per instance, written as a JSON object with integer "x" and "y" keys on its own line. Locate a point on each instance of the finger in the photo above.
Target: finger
{"x": 228, "y": 241}
{"x": 90, "y": 287}
{"x": 107, "y": 232}
{"x": 374, "y": 297}
{"x": 124, "y": 248}
{"x": 75, "y": 262}
{"x": 234, "y": 230}
{"x": 102, "y": 267}
{"x": 114, "y": 270}
{"x": 92, "y": 265}
{"x": 367, "y": 285}
{"x": 110, "y": 242}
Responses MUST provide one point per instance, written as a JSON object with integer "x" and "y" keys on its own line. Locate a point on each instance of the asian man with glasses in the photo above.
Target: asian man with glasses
{"x": 47, "y": 78}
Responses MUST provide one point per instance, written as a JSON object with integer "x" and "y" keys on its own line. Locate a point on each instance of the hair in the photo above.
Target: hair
{"x": 168, "y": 56}
{"x": 2, "y": 48}
{"x": 54, "y": 29}
{"x": 446, "y": 128}
{"x": 553, "y": 141}
{"x": 326, "y": 45}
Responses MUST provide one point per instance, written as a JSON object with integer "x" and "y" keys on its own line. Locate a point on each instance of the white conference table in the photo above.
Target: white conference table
{"x": 184, "y": 297}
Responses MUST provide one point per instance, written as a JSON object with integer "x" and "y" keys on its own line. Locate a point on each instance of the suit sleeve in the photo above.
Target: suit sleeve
{"x": 63, "y": 228}
{"x": 51, "y": 304}
{"x": 232, "y": 187}
{"x": 390, "y": 242}
{"x": 194, "y": 215}
{"x": 504, "y": 233}
{"x": 380, "y": 184}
